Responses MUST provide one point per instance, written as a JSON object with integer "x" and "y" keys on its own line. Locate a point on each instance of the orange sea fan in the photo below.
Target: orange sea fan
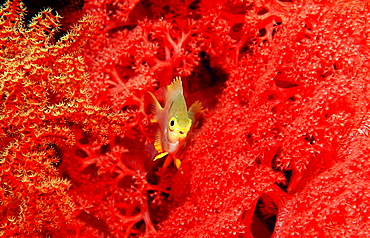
{"x": 43, "y": 92}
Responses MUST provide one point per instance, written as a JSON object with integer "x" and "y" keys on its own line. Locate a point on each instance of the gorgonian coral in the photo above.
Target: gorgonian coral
{"x": 43, "y": 93}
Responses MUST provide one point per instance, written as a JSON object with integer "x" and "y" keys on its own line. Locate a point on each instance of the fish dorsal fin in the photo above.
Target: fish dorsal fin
{"x": 174, "y": 89}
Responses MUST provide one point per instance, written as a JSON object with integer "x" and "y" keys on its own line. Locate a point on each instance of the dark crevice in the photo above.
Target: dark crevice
{"x": 209, "y": 79}
{"x": 139, "y": 226}
{"x": 310, "y": 139}
{"x": 262, "y": 32}
{"x": 284, "y": 186}
{"x": 80, "y": 153}
{"x": 282, "y": 80}
{"x": 246, "y": 48}
{"x": 262, "y": 11}
{"x": 264, "y": 217}
{"x": 194, "y": 5}
{"x": 126, "y": 182}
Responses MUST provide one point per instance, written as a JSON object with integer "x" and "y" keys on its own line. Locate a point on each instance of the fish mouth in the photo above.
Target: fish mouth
{"x": 177, "y": 135}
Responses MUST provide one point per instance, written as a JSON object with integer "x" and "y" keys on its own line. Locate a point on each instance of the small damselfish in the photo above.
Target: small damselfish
{"x": 174, "y": 122}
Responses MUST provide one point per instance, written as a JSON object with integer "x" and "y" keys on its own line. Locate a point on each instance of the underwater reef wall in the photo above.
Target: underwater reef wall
{"x": 282, "y": 149}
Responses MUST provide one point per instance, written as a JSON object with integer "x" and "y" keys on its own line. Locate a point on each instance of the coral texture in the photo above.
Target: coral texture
{"x": 43, "y": 97}
{"x": 281, "y": 151}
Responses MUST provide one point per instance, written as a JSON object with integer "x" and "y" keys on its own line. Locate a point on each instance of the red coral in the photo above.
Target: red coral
{"x": 281, "y": 151}
{"x": 287, "y": 109}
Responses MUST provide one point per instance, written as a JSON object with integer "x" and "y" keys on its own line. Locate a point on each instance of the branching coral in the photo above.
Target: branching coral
{"x": 293, "y": 104}
{"x": 109, "y": 186}
{"x": 43, "y": 93}
{"x": 132, "y": 54}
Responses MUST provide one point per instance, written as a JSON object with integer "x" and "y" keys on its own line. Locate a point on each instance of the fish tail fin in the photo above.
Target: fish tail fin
{"x": 154, "y": 107}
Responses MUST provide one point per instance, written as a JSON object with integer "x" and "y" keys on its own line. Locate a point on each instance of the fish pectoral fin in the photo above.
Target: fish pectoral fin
{"x": 158, "y": 146}
{"x": 161, "y": 155}
{"x": 158, "y": 142}
{"x": 154, "y": 107}
{"x": 195, "y": 109}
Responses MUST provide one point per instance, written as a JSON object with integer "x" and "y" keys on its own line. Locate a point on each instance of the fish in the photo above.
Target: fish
{"x": 174, "y": 122}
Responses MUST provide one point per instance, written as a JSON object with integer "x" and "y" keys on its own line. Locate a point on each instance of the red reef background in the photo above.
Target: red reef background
{"x": 282, "y": 149}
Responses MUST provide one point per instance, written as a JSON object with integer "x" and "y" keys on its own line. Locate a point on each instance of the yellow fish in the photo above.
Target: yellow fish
{"x": 174, "y": 122}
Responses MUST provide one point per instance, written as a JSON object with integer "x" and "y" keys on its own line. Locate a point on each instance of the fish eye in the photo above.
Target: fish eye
{"x": 172, "y": 122}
